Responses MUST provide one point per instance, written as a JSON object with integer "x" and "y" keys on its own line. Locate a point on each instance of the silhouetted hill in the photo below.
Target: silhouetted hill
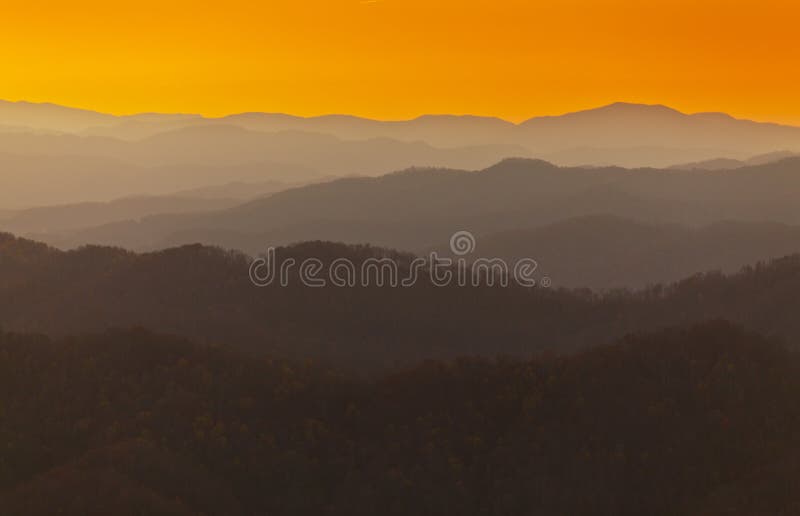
{"x": 206, "y": 294}
{"x": 50, "y": 117}
{"x": 420, "y": 208}
{"x": 686, "y": 421}
{"x": 621, "y": 134}
{"x": 712, "y": 164}
{"x": 437, "y": 130}
{"x": 625, "y": 125}
{"x": 729, "y": 164}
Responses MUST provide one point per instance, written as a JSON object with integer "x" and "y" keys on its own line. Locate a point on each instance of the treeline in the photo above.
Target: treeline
{"x": 206, "y": 294}
{"x": 691, "y": 421}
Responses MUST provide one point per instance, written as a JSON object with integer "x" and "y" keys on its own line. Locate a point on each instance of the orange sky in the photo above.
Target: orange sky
{"x": 401, "y": 58}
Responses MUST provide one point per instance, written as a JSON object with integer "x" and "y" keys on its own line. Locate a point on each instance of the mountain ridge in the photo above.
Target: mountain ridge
{"x": 621, "y": 133}
{"x": 614, "y": 106}
{"x": 421, "y": 207}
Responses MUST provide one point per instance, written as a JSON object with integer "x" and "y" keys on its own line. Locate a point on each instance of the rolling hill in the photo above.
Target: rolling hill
{"x": 623, "y": 134}
{"x": 663, "y": 423}
{"x": 64, "y": 168}
{"x": 206, "y": 294}
{"x": 58, "y": 179}
{"x": 421, "y": 208}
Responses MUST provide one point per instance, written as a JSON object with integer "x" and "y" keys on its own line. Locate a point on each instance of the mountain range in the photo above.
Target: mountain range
{"x": 39, "y": 141}
{"x": 618, "y": 125}
{"x": 206, "y": 294}
{"x": 420, "y": 208}
{"x": 651, "y": 369}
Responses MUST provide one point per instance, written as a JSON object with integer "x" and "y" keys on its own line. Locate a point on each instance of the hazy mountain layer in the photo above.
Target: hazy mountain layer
{"x": 56, "y": 169}
{"x": 419, "y": 209}
{"x": 59, "y": 221}
{"x": 729, "y": 164}
{"x": 604, "y": 252}
{"x": 42, "y": 180}
{"x": 69, "y": 217}
{"x": 619, "y": 134}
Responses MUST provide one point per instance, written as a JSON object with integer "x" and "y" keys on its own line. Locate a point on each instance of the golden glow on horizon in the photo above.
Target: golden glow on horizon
{"x": 401, "y": 58}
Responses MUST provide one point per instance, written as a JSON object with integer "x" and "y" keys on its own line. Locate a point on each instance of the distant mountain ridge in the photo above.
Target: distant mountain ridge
{"x": 671, "y": 136}
{"x": 730, "y": 164}
{"x": 69, "y": 217}
{"x": 56, "y": 220}
{"x": 60, "y": 175}
{"x": 55, "y": 117}
{"x": 420, "y": 208}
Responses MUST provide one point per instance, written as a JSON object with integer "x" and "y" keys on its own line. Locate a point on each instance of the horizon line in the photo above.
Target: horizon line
{"x": 393, "y": 120}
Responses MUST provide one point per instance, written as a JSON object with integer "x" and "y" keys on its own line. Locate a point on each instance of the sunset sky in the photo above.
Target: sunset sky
{"x": 393, "y": 59}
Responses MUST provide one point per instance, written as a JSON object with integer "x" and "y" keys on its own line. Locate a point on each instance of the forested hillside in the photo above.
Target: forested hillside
{"x": 206, "y": 294}
{"x": 691, "y": 421}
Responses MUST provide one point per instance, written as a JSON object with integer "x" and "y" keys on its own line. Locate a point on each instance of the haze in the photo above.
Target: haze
{"x": 399, "y": 257}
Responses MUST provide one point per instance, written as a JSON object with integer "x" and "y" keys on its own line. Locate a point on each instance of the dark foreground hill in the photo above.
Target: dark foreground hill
{"x": 206, "y": 294}
{"x": 701, "y": 421}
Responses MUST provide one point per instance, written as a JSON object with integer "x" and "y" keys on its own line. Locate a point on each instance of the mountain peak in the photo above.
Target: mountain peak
{"x": 629, "y": 108}
{"x": 633, "y": 106}
{"x": 617, "y": 109}
{"x": 523, "y": 165}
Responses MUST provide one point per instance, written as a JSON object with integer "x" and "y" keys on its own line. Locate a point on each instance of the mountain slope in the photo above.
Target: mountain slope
{"x": 69, "y": 217}
{"x": 55, "y": 118}
{"x": 730, "y": 164}
{"x": 56, "y": 179}
{"x": 663, "y": 423}
{"x": 419, "y": 209}
{"x": 603, "y": 252}
{"x": 206, "y": 294}
{"x": 57, "y": 161}
{"x": 624, "y": 125}
{"x": 620, "y": 134}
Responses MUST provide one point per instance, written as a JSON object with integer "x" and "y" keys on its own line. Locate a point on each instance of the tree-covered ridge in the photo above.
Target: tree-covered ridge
{"x": 205, "y": 294}
{"x": 685, "y": 421}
